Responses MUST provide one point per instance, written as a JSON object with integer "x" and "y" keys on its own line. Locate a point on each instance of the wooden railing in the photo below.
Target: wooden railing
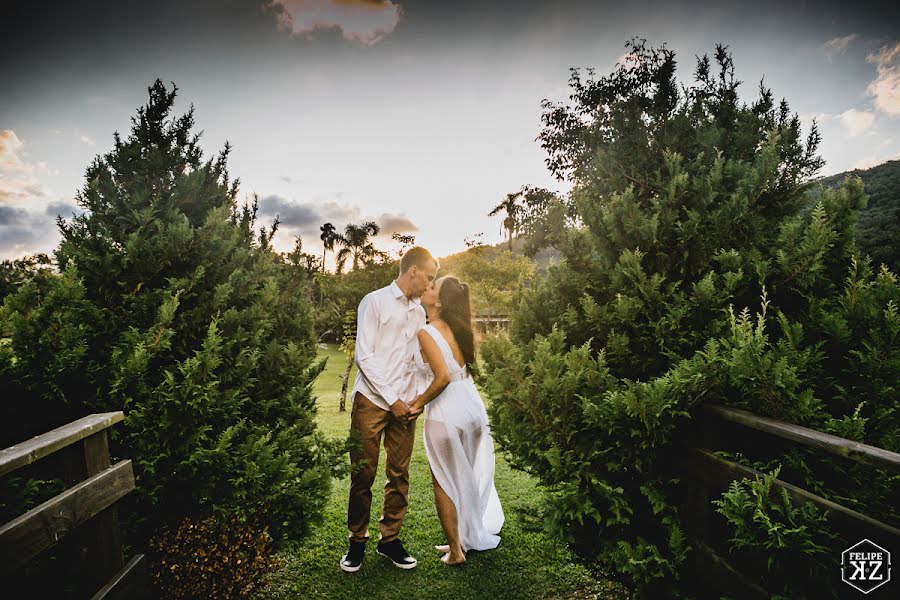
{"x": 491, "y": 323}
{"x": 707, "y": 475}
{"x": 84, "y": 515}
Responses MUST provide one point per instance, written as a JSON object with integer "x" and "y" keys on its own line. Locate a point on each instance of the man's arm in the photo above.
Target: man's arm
{"x": 369, "y": 365}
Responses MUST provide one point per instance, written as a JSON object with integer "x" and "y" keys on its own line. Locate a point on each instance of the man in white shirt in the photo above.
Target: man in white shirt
{"x": 387, "y": 322}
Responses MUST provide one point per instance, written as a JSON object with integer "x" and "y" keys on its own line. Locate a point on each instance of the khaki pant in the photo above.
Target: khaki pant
{"x": 370, "y": 422}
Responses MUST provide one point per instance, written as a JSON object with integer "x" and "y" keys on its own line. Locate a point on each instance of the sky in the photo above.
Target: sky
{"x": 419, "y": 115}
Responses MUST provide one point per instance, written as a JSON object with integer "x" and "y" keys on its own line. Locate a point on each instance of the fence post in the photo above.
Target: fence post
{"x": 97, "y": 544}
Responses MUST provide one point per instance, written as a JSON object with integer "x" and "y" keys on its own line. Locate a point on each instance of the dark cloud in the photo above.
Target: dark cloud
{"x": 75, "y": 41}
{"x": 11, "y": 216}
{"x": 63, "y": 209}
{"x": 306, "y": 217}
{"x": 290, "y": 214}
{"x": 391, "y": 223}
{"x": 23, "y": 232}
{"x": 365, "y": 21}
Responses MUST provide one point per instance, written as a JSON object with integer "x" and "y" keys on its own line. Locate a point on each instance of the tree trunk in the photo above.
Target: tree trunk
{"x": 344, "y": 382}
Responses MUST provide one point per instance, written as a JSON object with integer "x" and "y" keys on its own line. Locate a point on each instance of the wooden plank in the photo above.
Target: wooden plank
{"x": 39, "y": 446}
{"x": 129, "y": 583}
{"x": 43, "y": 526}
{"x": 719, "y": 472}
{"x": 709, "y": 572}
{"x": 96, "y": 546}
{"x": 870, "y": 455}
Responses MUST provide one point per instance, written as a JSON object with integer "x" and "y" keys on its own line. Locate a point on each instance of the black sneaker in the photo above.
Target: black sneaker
{"x": 352, "y": 561}
{"x": 399, "y": 556}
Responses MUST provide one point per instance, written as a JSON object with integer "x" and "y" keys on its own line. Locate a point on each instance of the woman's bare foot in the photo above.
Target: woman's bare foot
{"x": 453, "y": 560}
{"x": 443, "y": 548}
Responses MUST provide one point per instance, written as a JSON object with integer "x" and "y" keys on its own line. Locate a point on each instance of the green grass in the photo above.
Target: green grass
{"x": 528, "y": 564}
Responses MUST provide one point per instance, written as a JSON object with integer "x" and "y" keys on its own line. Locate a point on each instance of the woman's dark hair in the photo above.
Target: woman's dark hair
{"x": 456, "y": 311}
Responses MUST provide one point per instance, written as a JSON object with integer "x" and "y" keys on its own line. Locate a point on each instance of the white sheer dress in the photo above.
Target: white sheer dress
{"x": 460, "y": 450}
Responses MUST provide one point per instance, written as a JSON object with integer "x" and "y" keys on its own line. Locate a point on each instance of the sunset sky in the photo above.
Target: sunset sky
{"x": 420, "y": 115}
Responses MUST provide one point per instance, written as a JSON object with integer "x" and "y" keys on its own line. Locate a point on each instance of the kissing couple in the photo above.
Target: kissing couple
{"x": 405, "y": 368}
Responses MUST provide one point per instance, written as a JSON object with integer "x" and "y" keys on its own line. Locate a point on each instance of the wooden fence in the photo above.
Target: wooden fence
{"x": 84, "y": 516}
{"x": 707, "y": 475}
{"x": 491, "y": 323}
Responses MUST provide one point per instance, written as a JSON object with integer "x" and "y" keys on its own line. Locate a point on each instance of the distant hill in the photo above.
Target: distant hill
{"x": 878, "y": 229}
{"x": 542, "y": 260}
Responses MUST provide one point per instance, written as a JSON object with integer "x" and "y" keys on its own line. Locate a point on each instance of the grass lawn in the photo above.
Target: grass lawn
{"x": 527, "y": 564}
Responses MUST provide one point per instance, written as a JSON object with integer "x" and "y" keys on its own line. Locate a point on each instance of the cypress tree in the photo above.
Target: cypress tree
{"x": 171, "y": 306}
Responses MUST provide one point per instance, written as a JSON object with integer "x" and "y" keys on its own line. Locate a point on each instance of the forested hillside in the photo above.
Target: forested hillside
{"x": 878, "y": 228}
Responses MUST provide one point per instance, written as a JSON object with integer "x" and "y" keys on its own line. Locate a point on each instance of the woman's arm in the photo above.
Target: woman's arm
{"x": 438, "y": 367}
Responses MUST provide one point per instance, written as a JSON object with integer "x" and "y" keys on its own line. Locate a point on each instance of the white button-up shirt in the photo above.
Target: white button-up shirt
{"x": 386, "y": 327}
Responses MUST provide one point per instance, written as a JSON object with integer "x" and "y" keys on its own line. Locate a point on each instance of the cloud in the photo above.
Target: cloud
{"x": 391, "y": 223}
{"x": 23, "y": 232}
{"x": 838, "y": 45}
{"x": 856, "y": 121}
{"x": 874, "y": 159}
{"x": 307, "y": 217}
{"x": 25, "y": 226}
{"x": 18, "y": 183}
{"x": 364, "y": 21}
{"x": 10, "y": 215}
{"x": 63, "y": 209}
{"x": 886, "y": 86}
{"x": 286, "y": 179}
{"x": 87, "y": 141}
{"x": 10, "y": 144}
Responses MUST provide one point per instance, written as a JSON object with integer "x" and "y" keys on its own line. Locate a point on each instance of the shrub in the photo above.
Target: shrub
{"x": 171, "y": 305}
{"x": 696, "y": 267}
{"x": 794, "y": 538}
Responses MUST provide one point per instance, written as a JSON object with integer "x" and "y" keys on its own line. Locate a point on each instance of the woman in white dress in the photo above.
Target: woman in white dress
{"x": 457, "y": 436}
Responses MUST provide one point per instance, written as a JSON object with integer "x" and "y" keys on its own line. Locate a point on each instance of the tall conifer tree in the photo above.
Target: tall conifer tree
{"x": 172, "y": 307}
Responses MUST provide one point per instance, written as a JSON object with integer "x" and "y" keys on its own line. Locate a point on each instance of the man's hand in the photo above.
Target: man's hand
{"x": 400, "y": 410}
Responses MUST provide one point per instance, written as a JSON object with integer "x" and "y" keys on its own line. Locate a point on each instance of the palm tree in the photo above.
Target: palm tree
{"x": 329, "y": 237}
{"x": 512, "y": 209}
{"x": 356, "y": 243}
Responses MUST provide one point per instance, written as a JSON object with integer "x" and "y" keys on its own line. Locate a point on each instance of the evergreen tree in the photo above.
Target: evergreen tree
{"x": 690, "y": 213}
{"x": 171, "y": 307}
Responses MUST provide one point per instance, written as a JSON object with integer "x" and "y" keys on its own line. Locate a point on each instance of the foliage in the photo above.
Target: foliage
{"x": 686, "y": 204}
{"x": 300, "y": 261}
{"x": 357, "y": 245}
{"x": 538, "y": 215}
{"x": 13, "y": 273}
{"x": 879, "y": 222}
{"x": 794, "y": 537}
{"x": 211, "y": 559}
{"x": 496, "y": 277}
{"x": 348, "y": 347}
{"x": 329, "y": 237}
{"x": 170, "y": 306}
{"x": 340, "y": 293}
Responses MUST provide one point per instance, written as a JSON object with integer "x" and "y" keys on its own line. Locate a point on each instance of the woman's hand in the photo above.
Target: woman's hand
{"x": 417, "y": 405}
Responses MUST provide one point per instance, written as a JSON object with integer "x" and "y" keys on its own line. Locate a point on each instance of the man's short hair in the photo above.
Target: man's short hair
{"x": 419, "y": 257}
